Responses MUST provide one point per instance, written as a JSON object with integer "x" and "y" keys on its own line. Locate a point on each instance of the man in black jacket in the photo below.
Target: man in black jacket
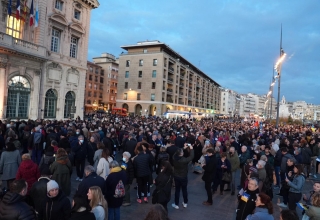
{"x": 209, "y": 173}
{"x": 180, "y": 164}
{"x": 80, "y": 150}
{"x": 180, "y": 141}
{"x": 142, "y": 163}
{"x": 131, "y": 145}
{"x": 107, "y": 141}
{"x": 171, "y": 150}
{"x": 38, "y": 192}
{"x": 91, "y": 179}
{"x": 12, "y": 206}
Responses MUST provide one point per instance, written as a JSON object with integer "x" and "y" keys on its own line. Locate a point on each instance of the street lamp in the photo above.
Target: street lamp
{"x": 277, "y": 68}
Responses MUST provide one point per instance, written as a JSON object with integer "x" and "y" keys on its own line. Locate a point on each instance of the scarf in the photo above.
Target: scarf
{"x": 115, "y": 169}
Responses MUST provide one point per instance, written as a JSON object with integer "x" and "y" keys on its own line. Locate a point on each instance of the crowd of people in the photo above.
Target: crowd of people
{"x": 115, "y": 155}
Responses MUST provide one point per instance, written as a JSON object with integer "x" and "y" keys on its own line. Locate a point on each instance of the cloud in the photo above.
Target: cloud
{"x": 235, "y": 42}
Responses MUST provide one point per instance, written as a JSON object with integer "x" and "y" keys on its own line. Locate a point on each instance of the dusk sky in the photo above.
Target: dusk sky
{"x": 234, "y": 42}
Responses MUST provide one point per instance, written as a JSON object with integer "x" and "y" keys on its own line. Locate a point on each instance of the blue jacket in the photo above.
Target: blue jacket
{"x": 260, "y": 214}
{"x": 296, "y": 184}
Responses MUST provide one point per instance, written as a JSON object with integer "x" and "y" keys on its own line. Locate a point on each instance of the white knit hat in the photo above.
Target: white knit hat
{"x": 52, "y": 185}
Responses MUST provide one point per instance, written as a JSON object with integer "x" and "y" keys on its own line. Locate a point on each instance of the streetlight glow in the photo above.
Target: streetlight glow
{"x": 281, "y": 59}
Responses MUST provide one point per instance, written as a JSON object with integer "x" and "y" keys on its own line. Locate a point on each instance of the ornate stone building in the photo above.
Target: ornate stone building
{"x": 43, "y": 69}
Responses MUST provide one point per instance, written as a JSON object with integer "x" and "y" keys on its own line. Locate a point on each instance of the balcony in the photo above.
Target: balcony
{"x": 169, "y": 100}
{"x": 169, "y": 91}
{"x": 181, "y": 103}
{"x": 170, "y": 80}
{"x": 181, "y": 85}
{"x": 21, "y": 46}
{"x": 171, "y": 69}
{"x": 181, "y": 77}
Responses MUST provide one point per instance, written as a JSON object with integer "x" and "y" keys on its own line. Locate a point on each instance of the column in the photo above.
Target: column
{"x": 2, "y": 91}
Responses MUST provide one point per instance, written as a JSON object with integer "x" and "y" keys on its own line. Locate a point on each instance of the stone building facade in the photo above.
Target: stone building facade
{"x": 43, "y": 69}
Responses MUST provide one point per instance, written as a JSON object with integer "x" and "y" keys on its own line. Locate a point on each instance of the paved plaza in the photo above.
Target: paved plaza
{"x": 223, "y": 207}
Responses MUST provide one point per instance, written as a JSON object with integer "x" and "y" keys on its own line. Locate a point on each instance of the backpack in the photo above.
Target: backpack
{"x": 119, "y": 191}
{"x": 37, "y": 138}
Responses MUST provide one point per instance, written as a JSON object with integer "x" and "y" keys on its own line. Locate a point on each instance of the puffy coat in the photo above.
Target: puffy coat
{"x": 80, "y": 150}
{"x": 91, "y": 180}
{"x": 85, "y": 215}
{"x": 142, "y": 163}
{"x": 210, "y": 168}
{"x": 260, "y": 213}
{"x": 29, "y": 171}
{"x": 306, "y": 154}
{"x": 180, "y": 164}
{"x": 9, "y": 164}
{"x": 56, "y": 208}
{"x": 61, "y": 171}
{"x": 13, "y": 207}
{"x": 38, "y": 192}
{"x": 162, "y": 192}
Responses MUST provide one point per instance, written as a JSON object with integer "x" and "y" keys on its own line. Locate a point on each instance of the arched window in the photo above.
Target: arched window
{"x": 50, "y": 104}
{"x": 18, "y": 97}
{"x": 69, "y": 105}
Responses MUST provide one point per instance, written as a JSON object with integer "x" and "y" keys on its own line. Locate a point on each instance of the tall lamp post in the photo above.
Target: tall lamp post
{"x": 277, "y": 68}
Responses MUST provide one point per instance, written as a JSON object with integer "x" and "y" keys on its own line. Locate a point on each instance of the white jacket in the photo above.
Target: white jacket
{"x": 103, "y": 169}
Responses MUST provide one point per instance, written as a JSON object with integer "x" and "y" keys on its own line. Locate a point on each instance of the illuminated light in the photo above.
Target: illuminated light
{"x": 272, "y": 84}
{"x": 280, "y": 61}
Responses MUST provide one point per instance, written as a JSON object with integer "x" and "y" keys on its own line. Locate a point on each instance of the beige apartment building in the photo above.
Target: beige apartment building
{"x": 43, "y": 69}
{"x": 110, "y": 67}
{"x": 154, "y": 79}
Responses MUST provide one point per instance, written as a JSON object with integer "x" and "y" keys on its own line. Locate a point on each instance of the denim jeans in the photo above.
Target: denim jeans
{"x": 114, "y": 213}
{"x": 181, "y": 183}
{"x": 277, "y": 173}
{"x": 36, "y": 155}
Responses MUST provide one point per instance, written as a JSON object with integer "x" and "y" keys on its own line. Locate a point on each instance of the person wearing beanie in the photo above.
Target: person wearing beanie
{"x": 57, "y": 204}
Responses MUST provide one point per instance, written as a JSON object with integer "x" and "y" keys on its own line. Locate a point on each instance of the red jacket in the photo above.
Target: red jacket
{"x": 29, "y": 171}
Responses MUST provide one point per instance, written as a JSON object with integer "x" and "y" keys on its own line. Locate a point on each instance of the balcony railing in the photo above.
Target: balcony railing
{"x": 22, "y": 46}
{"x": 170, "y": 80}
{"x": 171, "y": 69}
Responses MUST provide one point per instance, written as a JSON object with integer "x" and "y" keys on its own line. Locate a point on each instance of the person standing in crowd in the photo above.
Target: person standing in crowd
{"x": 9, "y": 163}
{"x": 36, "y": 142}
{"x": 288, "y": 215}
{"x": 171, "y": 150}
{"x": 223, "y": 168}
{"x": 57, "y": 205}
{"x": 46, "y": 161}
{"x": 157, "y": 212}
{"x": 81, "y": 209}
{"x": 142, "y": 163}
{"x": 295, "y": 191}
{"x": 13, "y": 206}
{"x": 233, "y": 158}
{"x": 115, "y": 190}
{"x": 163, "y": 183}
{"x": 61, "y": 171}
{"x": 28, "y": 170}
{"x": 127, "y": 165}
{"x": 247, "y": 199}
{"x": 264, "y": 208}
{"x": 91, "y": 179}
{"x": 80, "y": 150}
{"x": 98, "y": 204}
{"x": 38, "y": 192}
{"x": 131, "y": 144}
{"x": 180, "y": 164}
{"x": 313, "y": 212}
{"x": 92, "y": 147}
{"x": 103, "y": 169}
{"x": 209, "y": 172}
{"x": 244, "y": 156}
{"x": 162, "y": 156}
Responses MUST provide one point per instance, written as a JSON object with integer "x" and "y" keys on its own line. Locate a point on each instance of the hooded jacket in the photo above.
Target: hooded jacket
{"x": 13, "y": 207}
{"x": 38, "y": 192}
{"x": 61, "y": 171}
{"x": 29, "y": 171}
{"x": 297, "y": 184}
{"x": 180, "y": 164}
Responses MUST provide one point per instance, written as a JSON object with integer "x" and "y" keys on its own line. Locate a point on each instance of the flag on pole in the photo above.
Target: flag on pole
{"x": 24, "y": 13}
{"x": 31, "y": 14}
{"x": 37, "y": 15}
{"x": 9, "y": 7}
{"x": 18, "y": 10}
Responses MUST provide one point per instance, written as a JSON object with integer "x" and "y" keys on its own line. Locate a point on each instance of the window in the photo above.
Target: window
{"x": 125, "y": 96}
{"x": 127, "y": 63}
{"x": 153, "y": 85}
{"x": 126, "y": 85}
{"x": 140, "y": 62}
{"x": 73, "y": 47}
{"x": 145, "y": 50}
{"x": 69, "y": 105}
{"x": 102, "y": 72}
{"x": 153, "y": 97}
{"x": 155, "y": 62}
{"x": 55, "y": 40}
{"x": 77, "y": 14}
{"x": 96, "y": 78}
{"x": 97, "y": 71}
{"x": 139, "y": 85}
{"x": 95, "y": 94}
{"x": 90, "y": 77}
{"x": 140, "y": 74}
{"x": 58, "y": 5}
{"x": 154, "y": 74}
{"x": 91, "y": 69}
{"x": 138, "y": 96}
{"x": 90, "y": 86}
{"x": 89, "y": 102}
{"x": 112, "y": 98}
{"x": 223, "y": 110}
{"x": 127, "y": 74}
{"x": 89, "y": 94}
{"x": 14, "y": 27}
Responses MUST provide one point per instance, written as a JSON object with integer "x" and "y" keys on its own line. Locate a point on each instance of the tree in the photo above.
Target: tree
{"x": 290, "y": 119}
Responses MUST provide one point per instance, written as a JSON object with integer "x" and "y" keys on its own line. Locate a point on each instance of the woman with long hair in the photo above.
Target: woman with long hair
{"x": 97, "y": 203}
{"x": 103, "y": 169}
{"x": 264, "y": 208}
{"x": 295, "y": 186}
{"x": 163, "y": 183}
{"x": 157, "y": 212}
{"x": 81, "y": 209}
{"x": 314, "y": 210}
